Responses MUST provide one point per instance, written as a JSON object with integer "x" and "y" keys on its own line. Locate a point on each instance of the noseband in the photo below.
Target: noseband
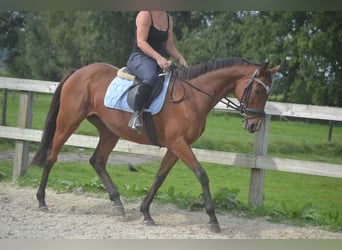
{"x": 230, "y": 104}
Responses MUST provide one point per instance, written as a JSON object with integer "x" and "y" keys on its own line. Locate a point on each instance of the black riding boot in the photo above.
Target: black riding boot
{"x": 143, "y": 94}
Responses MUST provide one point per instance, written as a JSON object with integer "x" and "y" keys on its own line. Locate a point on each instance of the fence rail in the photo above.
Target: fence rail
{"x": 258, "y": 162}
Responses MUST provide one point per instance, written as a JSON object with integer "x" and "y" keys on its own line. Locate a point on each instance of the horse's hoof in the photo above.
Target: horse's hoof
{"x": 149, "y": 223}
{"x": 43, "y": 209}
{"x": 119, "y": 211}
{"x": 214, "y": 227}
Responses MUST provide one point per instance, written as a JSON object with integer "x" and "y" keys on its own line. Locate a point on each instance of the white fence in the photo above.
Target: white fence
{"x": 258, "y": 162}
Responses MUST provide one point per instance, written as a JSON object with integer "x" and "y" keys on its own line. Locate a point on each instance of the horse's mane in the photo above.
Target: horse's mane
{"x": 202, "y": 68}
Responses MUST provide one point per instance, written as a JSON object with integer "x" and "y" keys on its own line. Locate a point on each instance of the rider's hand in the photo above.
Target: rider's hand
{"x": 163, "y": 63}
{"x": 183, "y": 62}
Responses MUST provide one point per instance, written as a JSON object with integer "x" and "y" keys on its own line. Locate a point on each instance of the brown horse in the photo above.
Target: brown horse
{"x": 198, "y": 88}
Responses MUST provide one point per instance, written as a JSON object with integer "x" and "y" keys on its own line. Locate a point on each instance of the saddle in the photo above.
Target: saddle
{"x": 132, "y": 90}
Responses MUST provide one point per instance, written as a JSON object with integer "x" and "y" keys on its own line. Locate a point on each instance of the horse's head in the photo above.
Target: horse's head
{"x": 253, "y": 96}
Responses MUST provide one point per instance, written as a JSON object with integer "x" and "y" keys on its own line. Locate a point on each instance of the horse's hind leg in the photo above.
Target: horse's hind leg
{"x": 41, "y": 190}
{"x": 62, "y": 133}
{"x": 99, "y": 159}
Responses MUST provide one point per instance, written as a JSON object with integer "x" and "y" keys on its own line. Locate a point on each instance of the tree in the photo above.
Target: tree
{"x": 46, "y": 44}
{"x": 305, "y": 43}
{"x": 312, "y": 66}
{"x": 190, "y": 21}
{"x": 105, "y": 36}
{"x": 11, "y": 26}
{"x": 53, "y": 42}
{"x": 50, "y": 45}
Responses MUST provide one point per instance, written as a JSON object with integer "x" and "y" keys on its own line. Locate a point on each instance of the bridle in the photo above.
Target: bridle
{"x": 226, "y": 101}
{"x": 242, "y": 107}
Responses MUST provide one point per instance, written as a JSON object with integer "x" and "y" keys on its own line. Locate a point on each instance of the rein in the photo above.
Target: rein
{"x": 226, "y": 101}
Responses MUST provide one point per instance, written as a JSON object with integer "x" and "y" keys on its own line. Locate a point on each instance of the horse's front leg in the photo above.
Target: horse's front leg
{"x": 202, "y": 176}
{"x": 184, "y": 152}
{"x": 168, "y": 162}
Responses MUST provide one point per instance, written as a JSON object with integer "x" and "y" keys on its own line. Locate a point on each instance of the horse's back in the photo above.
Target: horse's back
{"x": 90, "y": 77}
{"x": 97, "y": 71}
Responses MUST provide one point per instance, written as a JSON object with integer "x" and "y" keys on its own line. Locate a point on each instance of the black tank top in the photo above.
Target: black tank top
{"x": 156, "y": 39}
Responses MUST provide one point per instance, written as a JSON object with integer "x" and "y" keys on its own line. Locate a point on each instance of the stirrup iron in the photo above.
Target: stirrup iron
{"x": 136, "y": 122}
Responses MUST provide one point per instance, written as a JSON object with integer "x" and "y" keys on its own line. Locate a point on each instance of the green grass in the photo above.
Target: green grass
{"x": 287, "y": 197}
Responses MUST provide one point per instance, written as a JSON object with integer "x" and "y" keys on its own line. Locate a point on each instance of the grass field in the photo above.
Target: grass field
{"x": 297, "y": 197}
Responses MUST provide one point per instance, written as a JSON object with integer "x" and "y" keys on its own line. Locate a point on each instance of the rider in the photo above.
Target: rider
{"x": 154, "y": 41}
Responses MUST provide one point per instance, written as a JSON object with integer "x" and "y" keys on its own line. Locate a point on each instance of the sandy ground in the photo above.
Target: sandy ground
{"x": 80, "y": 216}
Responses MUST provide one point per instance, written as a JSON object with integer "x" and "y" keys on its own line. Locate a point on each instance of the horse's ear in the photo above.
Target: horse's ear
{"x": 275, "y": 69}
{"x": 265, "y": 65}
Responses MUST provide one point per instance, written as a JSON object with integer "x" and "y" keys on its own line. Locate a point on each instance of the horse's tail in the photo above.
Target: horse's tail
{"x": 50, "y": 125}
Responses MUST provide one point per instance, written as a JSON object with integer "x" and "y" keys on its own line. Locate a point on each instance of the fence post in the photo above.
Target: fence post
{"x": 256, "y": 185}
{"x": 4, "y": 107}
{"x": 21, "y": 154}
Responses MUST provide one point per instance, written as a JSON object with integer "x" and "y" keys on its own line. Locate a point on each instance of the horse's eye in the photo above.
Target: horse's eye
{"x": 257, "y": 91}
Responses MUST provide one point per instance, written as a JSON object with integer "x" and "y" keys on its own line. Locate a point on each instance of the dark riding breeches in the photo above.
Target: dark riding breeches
{"x": 146, "y": 70}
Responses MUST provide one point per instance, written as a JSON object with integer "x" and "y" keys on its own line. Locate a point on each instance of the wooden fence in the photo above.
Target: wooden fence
{"x": 258, "y": 162}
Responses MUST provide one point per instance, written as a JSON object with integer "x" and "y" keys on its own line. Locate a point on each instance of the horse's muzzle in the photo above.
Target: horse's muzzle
{"x": 252, "y": 125}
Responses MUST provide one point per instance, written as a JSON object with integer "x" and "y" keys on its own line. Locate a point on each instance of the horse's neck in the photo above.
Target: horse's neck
{"x": 217, "y": 84}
